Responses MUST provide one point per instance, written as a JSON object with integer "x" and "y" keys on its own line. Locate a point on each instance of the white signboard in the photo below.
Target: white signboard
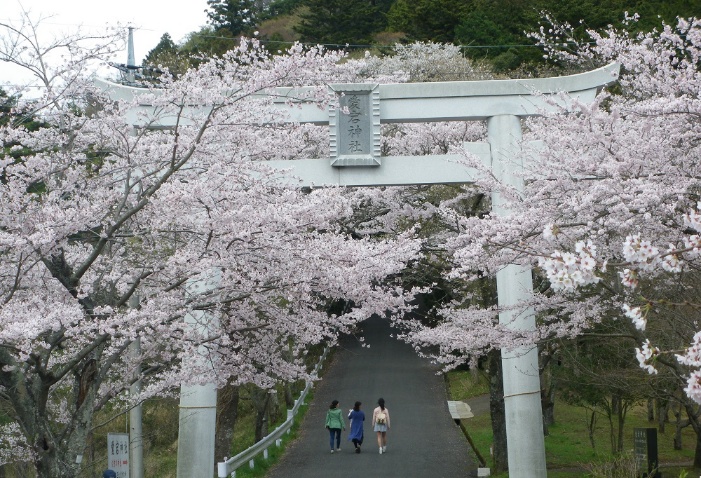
{"x": 118, "y": 454}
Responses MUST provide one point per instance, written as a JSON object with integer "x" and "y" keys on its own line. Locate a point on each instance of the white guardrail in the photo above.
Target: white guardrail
{"x": 228, "y": 467}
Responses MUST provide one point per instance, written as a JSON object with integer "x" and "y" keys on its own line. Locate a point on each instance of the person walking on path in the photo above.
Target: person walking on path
{"x": 334, "y": 424}
{"x": 357, "y": 419}
{"x": 380, "y": 424}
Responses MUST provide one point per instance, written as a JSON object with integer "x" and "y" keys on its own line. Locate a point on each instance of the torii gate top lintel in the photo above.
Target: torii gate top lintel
{"x": 508, "y": 87}
{"x": 449, "y": 100}
{"x": 355, "y": 137}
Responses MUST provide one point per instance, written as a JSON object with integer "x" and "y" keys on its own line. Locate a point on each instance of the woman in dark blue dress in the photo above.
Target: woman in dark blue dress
{"x": 357, "y": 418}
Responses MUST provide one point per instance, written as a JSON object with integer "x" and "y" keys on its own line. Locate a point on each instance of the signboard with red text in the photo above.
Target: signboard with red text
{"x": 118, "y": 454}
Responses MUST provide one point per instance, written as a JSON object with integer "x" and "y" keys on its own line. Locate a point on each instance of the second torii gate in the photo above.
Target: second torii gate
{"x": 355, "y": 161}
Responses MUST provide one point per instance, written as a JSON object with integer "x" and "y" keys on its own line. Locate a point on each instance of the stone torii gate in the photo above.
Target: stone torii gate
{"x": 355, "y": 161}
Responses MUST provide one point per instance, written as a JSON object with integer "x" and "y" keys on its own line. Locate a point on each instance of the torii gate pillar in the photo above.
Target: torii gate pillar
{"x": 521, "y": 380}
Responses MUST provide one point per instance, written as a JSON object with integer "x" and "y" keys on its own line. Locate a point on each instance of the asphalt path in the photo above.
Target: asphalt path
{"x": 423, "y": 440}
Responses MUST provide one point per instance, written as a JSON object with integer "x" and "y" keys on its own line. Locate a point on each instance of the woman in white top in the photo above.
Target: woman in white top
{"x": 380, "y": 424}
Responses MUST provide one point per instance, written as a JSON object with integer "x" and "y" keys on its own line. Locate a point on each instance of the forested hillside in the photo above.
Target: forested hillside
{"x": 491, "y": 29}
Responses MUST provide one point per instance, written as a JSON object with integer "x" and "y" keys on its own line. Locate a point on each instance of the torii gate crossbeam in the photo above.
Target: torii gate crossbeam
{"x": 355, "y": 161}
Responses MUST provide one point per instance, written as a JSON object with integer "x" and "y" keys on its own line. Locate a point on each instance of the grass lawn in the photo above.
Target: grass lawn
{"x": 568, "y": 448}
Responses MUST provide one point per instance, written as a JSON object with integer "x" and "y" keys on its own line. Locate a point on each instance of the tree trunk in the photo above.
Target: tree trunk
{"x": 692, "y": 413}
{"x": 612, "y": 412}
{"x": 617, "y": 419}
{"x": 227, "y": 414}
{"x": 496, "y": 407}
{"x": 697, "y": 452}
{"x": 58, "y": 445}
{"x": 678, "y": 429}
{"x": 547, "y": 393}
{"x": 662, "y": 413}
{"x": 261, "y": 400}
{"x": 57, "y": 457}
{"x": 548, "y": 405}
{"x": 289, "y": 397}
{"x": 591, "y": 427}
{"x": 273, "y": 408}
{"x": 650, "y": 410}
{"x": 621, "y": 422}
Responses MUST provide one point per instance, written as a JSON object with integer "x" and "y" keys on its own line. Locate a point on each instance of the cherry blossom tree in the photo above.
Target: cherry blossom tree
{"x": 646, "y": 147}
{"x": 54, "y": 61}
{"x": 609, "y": 215}
{"x": 188, "y": 220}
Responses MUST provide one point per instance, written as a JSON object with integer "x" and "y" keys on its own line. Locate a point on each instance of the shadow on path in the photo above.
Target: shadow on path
{"x": 423, "y": 441}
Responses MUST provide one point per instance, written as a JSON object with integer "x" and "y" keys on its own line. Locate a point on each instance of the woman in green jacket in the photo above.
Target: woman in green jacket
{"x": 334, "y": 424}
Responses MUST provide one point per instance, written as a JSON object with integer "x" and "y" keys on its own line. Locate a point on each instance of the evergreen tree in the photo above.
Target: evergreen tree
{"x": 341, "y": 22}
{"x": 427, "y": 20}
{"x": 502, "y": 27}
{"x": 164, "y": 55}
{"x": 239, "y": 17}
{"x": 166, "y": 48}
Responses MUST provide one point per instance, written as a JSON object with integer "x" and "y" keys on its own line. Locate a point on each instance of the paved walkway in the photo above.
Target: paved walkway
{"x": 423, "y": 441}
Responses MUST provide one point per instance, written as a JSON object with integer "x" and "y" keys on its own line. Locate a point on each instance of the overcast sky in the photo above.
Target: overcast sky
{"x": 151, "y": 18}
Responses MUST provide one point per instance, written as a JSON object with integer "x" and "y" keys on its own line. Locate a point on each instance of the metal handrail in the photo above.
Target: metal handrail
{"x": 229, "y": 466}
